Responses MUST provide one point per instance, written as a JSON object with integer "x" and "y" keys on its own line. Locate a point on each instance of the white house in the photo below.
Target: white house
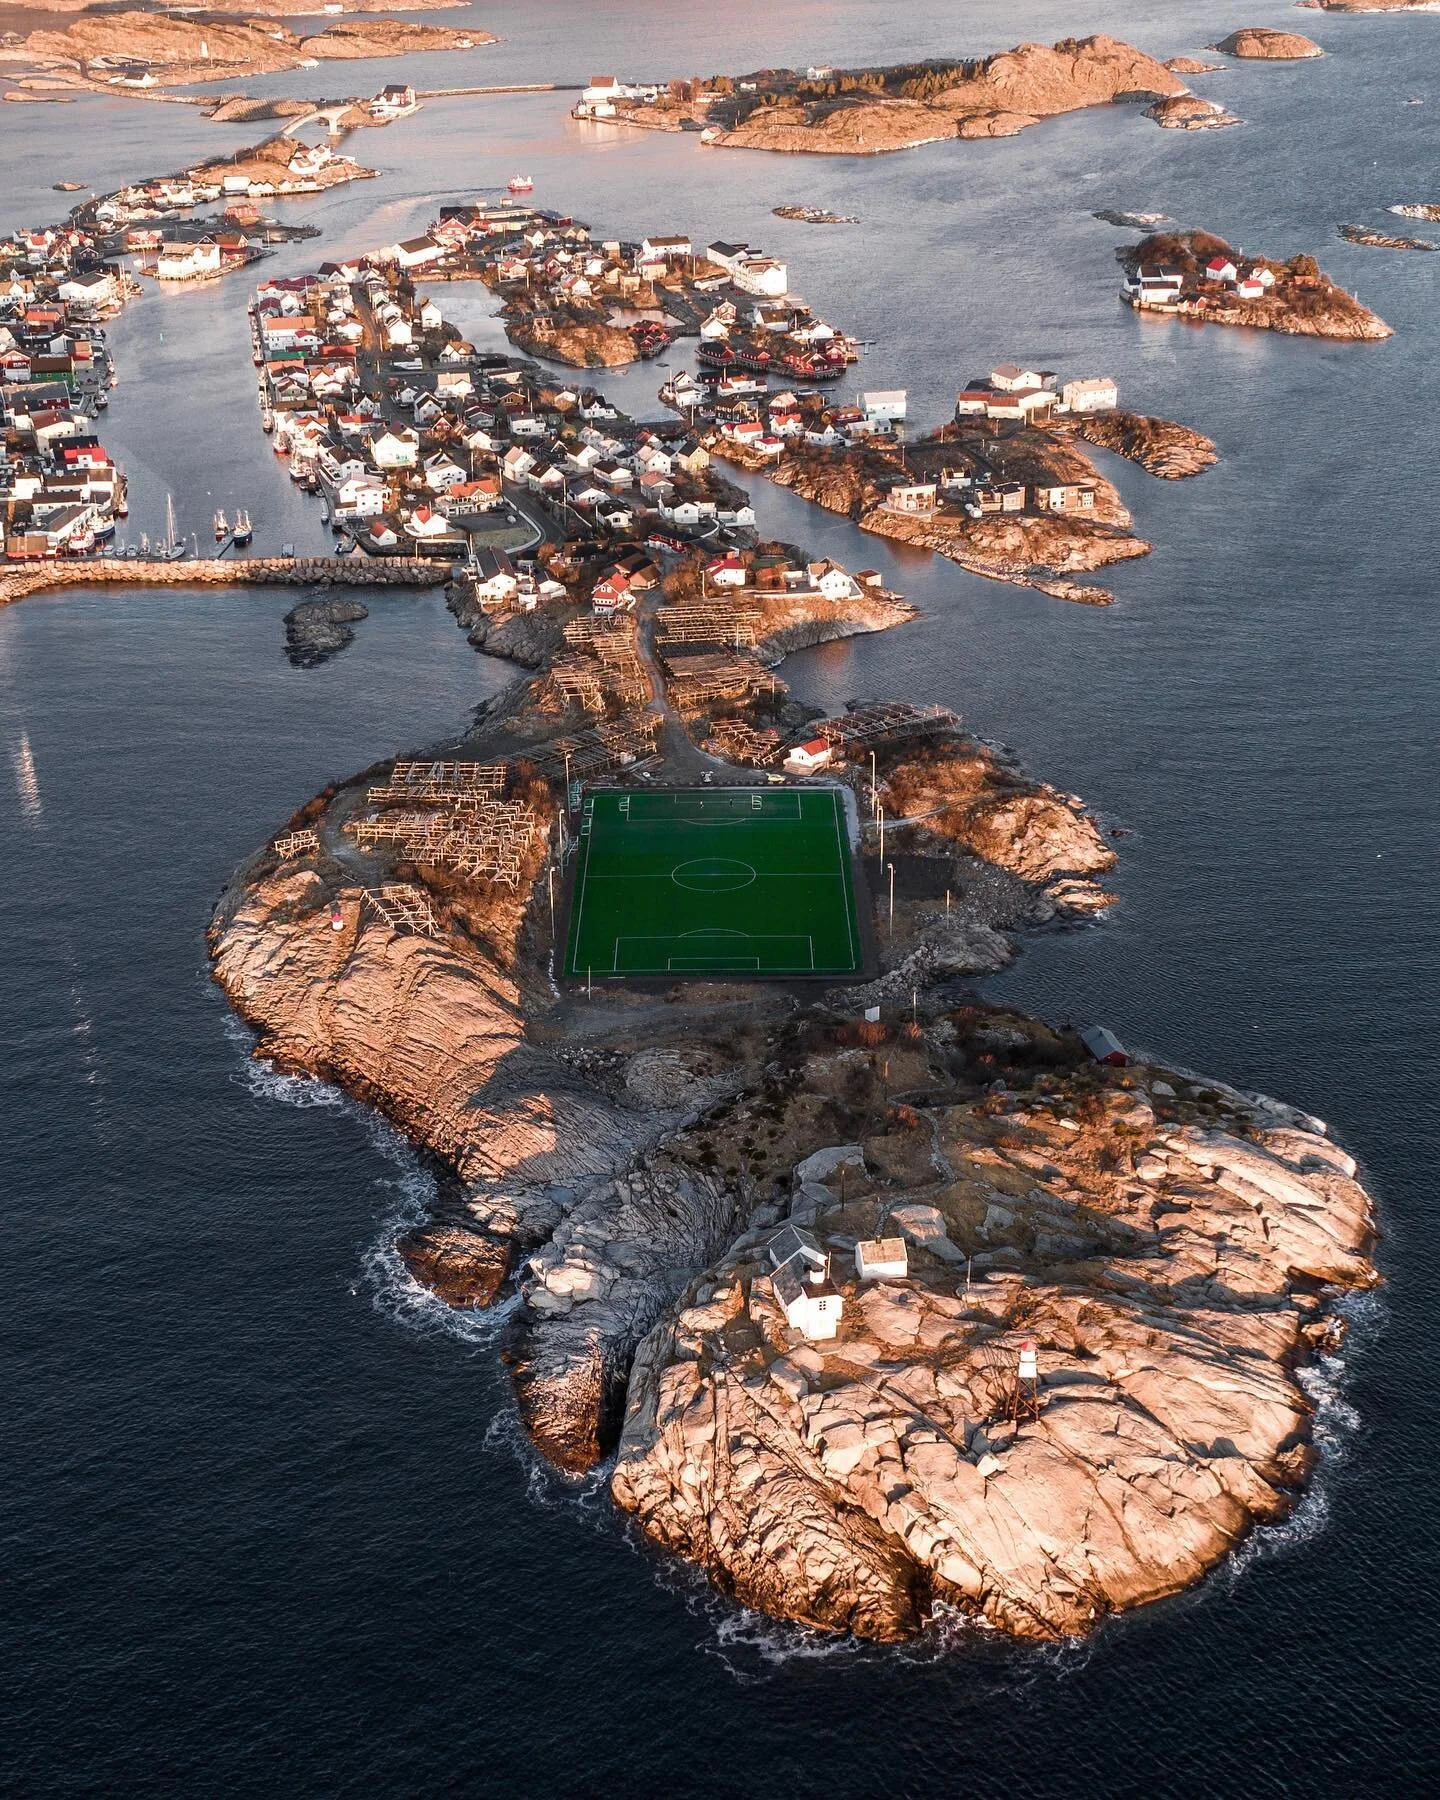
{"x": 1220, "y": 268}
{"x": 442, "y": 473}
{"x": 95, "y": 289}
{"x": 1010, "y": 378}
{"x": 188, "y": 262}
{"x": 398, "y": 449}
{"x": 725, "y": 572}
{"x": 360, "y": 497}
{"x": 884, "y": 403}
{"x": 912, "y": 497}
{"x": 761, "y": 275}
{"x": 430, "y": 316}
{"x": 812, "y": 1306}
{"x": 1097, "y": 393}
{"x": 832, "y": 582}
{"x": 416, "y": 253}
{"x": 882, "y": 1259}
{"x": 495, "y": 578}
{"x": 809, "y": 757}
{"x": 426, "y": 525}
{"x": 664, "y": 249}
{"x": 726, "y": 256}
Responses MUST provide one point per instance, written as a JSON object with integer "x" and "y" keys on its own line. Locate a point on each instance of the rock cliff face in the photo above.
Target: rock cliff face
{"x": 799, "y": 622}
{"x": 1256, "y": 43}
{"x": 1160, "y": 1253}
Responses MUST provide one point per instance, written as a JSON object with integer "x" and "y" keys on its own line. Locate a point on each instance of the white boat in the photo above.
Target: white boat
{"x": 222, "y": 525}
{"x": 521, "y": 184}
{"x": 243, "y": 531}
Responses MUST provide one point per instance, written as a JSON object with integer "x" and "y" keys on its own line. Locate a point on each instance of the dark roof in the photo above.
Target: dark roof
{"x": 792, "y": 1241}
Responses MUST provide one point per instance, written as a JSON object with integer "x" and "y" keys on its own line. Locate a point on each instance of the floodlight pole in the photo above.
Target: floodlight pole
{"x": 550, "y": 883}
{"x": 891, "y": 868}
{"x": 880, "y": 813}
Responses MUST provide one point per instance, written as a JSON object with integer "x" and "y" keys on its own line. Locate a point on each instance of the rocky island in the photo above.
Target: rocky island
{"x": 1257, "y": 43}
{"x": 1015, "y": 501}
{"x": 1189, "y": 112}
{"x": 1381, "y": 240}
{"x": 646, "y": 1161}
{"x": 1368, "y": 6}
{"x": 868, "y": 111}
{"x": 130, "y": 52}
{"x": 1198, "y": 276}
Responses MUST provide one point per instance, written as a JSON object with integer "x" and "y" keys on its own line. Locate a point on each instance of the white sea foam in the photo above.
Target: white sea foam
{"x": 1336, "y": 1430}
{"x": 586, "y": 1496}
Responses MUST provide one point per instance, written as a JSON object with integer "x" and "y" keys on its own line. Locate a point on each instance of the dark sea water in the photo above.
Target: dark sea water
{"x": 266, "y": 1524}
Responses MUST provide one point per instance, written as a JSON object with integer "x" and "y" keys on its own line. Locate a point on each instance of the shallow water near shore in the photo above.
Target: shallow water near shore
{"x": 268, "y": 1520}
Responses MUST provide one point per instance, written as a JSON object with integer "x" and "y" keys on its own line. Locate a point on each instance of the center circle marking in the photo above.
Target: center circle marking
{"x": 713, "y": 875}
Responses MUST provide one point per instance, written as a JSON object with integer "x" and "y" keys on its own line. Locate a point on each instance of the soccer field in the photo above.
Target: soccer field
{"x": 714, "y": 881}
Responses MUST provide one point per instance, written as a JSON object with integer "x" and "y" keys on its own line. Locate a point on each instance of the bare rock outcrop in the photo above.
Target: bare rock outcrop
{"x": 316, "y": 630}
{"x": 1300, "y": 299}
{"x": 1030, "y": 550}
{"x": 608, "y": 1273}
{"x": 1257, "y": 43}
{"x": 1160, "y": 446}
{"x": 964, "y": 792}
{"x": 1189, "y": 112}
{"x": 1163, "y": 1267}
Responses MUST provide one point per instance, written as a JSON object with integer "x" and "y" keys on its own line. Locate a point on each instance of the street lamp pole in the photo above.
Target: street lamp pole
{"x": 891, "y": 868}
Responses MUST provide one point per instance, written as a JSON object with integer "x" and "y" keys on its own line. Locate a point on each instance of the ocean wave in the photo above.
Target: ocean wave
{"x": 1336, "y": 1431}
{"x": 586, "y": 1497}
{"x": 394, "y": 1292}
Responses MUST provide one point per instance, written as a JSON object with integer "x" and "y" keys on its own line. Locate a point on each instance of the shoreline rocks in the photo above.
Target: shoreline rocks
{"x": 316, "y": 630}
{"x": 1161, "y": 447}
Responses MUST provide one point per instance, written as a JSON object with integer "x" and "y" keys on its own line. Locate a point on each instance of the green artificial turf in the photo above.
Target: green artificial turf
{"x": 713, "y": 881}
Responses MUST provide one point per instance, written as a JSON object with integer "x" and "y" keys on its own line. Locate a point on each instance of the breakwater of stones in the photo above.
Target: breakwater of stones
{"x": 282, "y": 571}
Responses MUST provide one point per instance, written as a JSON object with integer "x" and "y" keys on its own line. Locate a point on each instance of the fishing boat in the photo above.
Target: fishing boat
{"x": 244, "y": 530}
{"x": 521, "y": 184}
{"x": 173, "y": 548}
{"x": 222, "y": 525}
